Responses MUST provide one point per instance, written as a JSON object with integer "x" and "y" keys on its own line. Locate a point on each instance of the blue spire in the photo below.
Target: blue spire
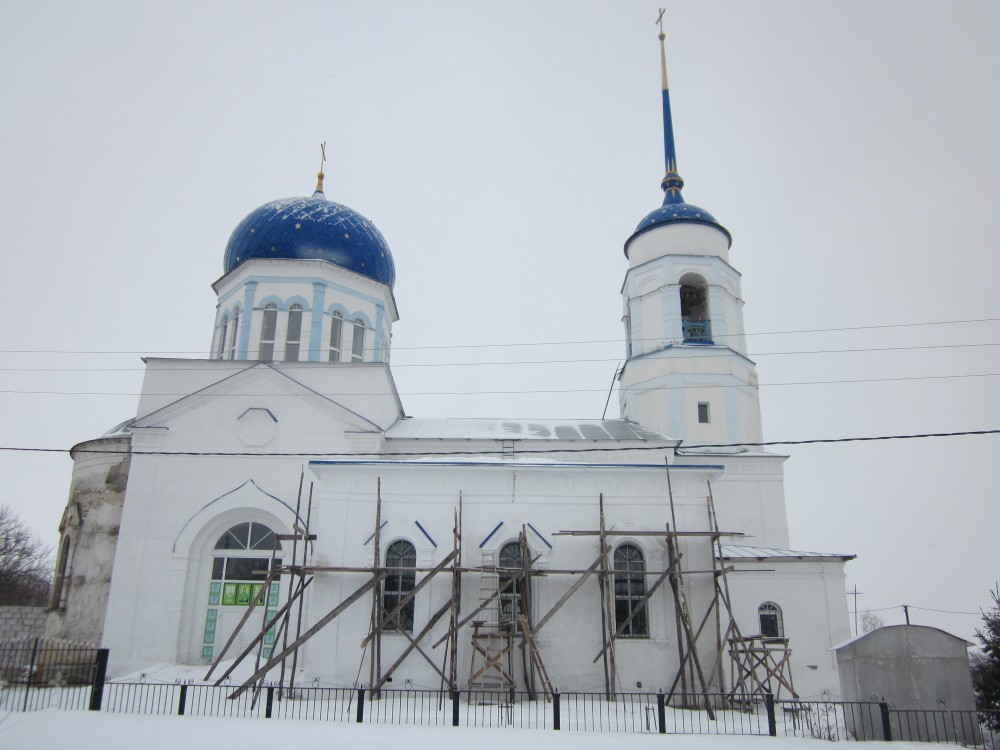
{"x": 672, "y": 181}
{"x": 674, "y": 210}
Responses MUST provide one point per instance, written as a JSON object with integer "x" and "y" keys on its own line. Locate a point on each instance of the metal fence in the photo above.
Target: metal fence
{"x": 38, "y": 673}
{"x": 35, "y": 675}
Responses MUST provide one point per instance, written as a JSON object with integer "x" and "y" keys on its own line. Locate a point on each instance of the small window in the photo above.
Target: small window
{"x": 771, "y": 622}
{"x": 269, "y": 325}
{"x": 703, "y": 413}
{"x": 232, "y": 338}
{"x": 294, "y": 336}
{"x": 630, "y": 590}
{"x": 336, "y": 336}
{"x": 358, "y": 345}
{"x": 398, "y": 583}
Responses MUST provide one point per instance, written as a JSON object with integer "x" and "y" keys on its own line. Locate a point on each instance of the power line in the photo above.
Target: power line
{"x": 520, "y": 392}
{"x": 499, "y": 451}
{"x": 202, "y": 352}
{"x": 293, "y": 365}
{"x": 942, "y": 611}
{"x": 913, "y": 606}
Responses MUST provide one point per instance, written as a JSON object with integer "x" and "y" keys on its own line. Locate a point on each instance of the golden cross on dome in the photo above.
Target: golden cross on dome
{"x": 322, "y": 161}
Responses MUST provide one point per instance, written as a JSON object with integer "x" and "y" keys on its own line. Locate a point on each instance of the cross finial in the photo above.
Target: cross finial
{"x": 322, "y": 161}
{"x": 672, "y": 182}
{"x": 663, "y": 51}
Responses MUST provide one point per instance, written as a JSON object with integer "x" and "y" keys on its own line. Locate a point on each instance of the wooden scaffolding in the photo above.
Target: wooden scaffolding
{"x": 503, "y": 623}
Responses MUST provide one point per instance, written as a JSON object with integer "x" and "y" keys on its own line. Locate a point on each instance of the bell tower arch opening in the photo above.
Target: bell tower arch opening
{"x": 696, "y": 320}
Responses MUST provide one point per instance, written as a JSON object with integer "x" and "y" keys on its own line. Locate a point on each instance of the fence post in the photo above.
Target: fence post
{"x": 454, "y": 708}
{"x": 886, "y": 726}
{"x": 31, "y": 673}
{"x": 661, "y": 712}
{"x": 269, "y": 703}
{"x": 772, "y": 723}
{"x": 360, "y": 718}
{"x": 100, "y": 675}
{"x": 556, "y": 718}
{"x": 182, "y": 700}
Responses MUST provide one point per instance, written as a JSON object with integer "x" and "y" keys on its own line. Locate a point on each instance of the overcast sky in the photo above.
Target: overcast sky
{"x": 506, "y": 151}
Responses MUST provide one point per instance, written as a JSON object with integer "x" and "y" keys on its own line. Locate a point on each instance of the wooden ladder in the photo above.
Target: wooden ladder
{"x": 491, "y": 668}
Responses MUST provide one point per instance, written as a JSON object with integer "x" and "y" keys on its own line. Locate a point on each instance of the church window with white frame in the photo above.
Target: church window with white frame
{"x": 398, "y": 583}
{"x": 293, "y": 337}
{"x": 704, "y": 414}
{"x": 513, "y": 589}
{"x": 220, "y": 350}
{"x": 235, "y": 325}
{"x": 336, "y": 336}
{"x": 771, "y": 622}
{"x": 358, "y": 344}
{"x": 630, "y": 590}
{"x": 268, "y": 328}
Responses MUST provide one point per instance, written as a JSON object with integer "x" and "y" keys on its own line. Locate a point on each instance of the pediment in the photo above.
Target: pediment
{"x": 261, "y": 390}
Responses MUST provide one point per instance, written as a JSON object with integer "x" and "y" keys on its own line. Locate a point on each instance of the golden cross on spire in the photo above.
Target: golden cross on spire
{"x": 663, "y": 51}
{"x": 322, "y": 161}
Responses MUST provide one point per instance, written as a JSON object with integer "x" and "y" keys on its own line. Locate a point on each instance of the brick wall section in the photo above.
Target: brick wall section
{"x": 21, "y": 622}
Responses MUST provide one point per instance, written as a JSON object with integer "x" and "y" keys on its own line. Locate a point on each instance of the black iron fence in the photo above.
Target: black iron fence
{"x": 38, "y": 673}
{"x": 586, "y": 712}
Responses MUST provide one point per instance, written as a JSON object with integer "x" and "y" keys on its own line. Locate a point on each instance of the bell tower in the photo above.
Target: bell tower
{"x": 686, "y": 372}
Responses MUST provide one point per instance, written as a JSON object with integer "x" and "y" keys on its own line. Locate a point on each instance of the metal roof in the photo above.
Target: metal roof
{"x": 738, "y": 552}
{"x": 604, "y": 430}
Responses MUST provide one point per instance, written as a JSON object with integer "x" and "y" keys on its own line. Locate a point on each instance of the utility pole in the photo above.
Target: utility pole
{"x": 906, "y": 613}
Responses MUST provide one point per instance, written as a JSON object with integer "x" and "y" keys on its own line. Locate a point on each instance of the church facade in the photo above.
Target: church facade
{"x": 621, "y": 554}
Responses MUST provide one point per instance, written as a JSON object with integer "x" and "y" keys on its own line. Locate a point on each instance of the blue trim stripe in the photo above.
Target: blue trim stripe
{"x": 539, "y": 535}
{"x": 373, "y": 533}
{"x": 424, "y": 532}
{"x": 490, "y": 535}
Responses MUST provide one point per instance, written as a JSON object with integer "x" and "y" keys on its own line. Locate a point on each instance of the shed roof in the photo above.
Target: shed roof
{"x": 739, "y": 552}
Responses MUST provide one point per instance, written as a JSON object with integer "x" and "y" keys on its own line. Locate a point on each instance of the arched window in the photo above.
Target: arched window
{"x": 771, "y": 623}
{"x": 513, "y": 590}
{"x": 336, "y": 336}
{"x": 399, "y": 583}
{"x": 240, "y": 565}
{"x": 232, "y": 337}
{"x": 294, "y": 335}
{"x": 630, "y": 589}
{"x": 220, "y": 351}
{"x": 695, "y": 319}
{"x": 358, "y": 345}
{"x": 269, "y": 324}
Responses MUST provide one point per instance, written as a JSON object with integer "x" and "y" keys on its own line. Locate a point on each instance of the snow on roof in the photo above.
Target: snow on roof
{"x": 738, "y": 552}
{"x": 411, "y": 428}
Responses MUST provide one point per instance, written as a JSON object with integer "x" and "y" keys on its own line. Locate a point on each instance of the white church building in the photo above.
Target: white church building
{"x": 290, "y": 450}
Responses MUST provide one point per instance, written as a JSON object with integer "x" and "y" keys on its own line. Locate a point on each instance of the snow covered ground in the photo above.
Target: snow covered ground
{"x": 86, "y": 730}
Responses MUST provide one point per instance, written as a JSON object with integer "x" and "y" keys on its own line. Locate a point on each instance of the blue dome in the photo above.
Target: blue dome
{"x": 677, "y": 213}
{"x": 312, "y": 229}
